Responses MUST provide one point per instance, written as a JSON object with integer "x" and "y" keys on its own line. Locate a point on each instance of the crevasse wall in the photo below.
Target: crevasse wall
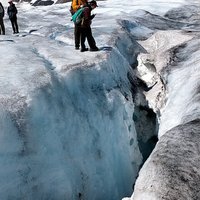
{"x": 75, "y": 137}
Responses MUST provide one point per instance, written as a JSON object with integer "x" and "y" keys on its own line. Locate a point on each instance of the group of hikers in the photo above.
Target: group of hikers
{"x": 12, "y": 14}
{"x": 82, "y": 30}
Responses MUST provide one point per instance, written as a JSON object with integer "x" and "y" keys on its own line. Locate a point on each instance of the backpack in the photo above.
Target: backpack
{"x": 78, "y": 16}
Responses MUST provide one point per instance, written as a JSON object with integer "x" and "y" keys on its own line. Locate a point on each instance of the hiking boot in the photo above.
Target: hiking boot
{"x": 77, "y": 48}
{"x": 85, "y": 49}
{"x": 94, "y": 49}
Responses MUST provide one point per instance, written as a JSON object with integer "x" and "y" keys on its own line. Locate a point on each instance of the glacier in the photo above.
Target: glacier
{"x": 80, "y": 126}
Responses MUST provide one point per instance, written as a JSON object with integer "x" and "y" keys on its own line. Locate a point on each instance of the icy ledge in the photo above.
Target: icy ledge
{"x": 67, "y": 132}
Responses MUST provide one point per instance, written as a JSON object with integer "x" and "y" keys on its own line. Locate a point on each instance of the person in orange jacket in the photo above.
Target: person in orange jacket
{"x": 76, "y": 4}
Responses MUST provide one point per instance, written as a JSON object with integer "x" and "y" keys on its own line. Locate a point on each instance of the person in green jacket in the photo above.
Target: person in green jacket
{"x": 86, "y": 31}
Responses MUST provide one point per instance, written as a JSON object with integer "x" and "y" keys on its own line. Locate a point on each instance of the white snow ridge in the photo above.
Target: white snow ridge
{"x": 120, "y": 123}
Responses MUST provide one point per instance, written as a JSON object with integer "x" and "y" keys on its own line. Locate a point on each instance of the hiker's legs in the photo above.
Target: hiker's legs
{"x": 83, "y": 37}
{"x": 90, "y": 38}
{"x": 77, "y": 35}
{"x": 13, "y": 25}
{"x": 2, "y": 26}
{"x": 16, "y": 25}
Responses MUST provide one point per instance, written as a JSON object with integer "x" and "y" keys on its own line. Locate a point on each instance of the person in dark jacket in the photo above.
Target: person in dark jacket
{"x": 86, "y": 31}
{"x": 2, "y": 27}
{"x": 12, "y": 13}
